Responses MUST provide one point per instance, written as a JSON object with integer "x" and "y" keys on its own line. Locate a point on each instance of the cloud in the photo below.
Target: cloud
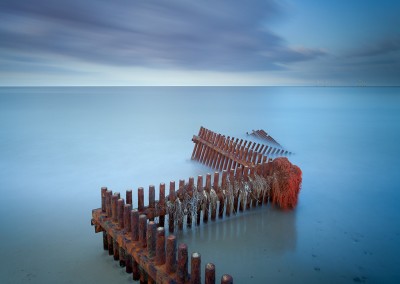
{"x": 382, "y": 47}
{"x": 197, "y": 35}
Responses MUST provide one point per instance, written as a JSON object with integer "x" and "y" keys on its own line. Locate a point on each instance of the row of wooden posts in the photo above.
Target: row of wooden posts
{"x": 224, "y": 153}
{"x": 134, "y": 237}
{"x": 265, "y": 136}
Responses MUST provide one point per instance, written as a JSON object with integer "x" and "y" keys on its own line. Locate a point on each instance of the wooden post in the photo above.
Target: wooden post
{"x": 128, "y": 263}
{"x": 127, "y": 217}
{"x": 152, "y": 202}
{"x": 122, "y": 257}
{"x": 108, "y": 203}
{"x": 161, "y": 205}
{"x": 171, "y": 198}
{"x": 116, "y": 250}
{"x": 103, "y": 199}
{"x": 170, "y": 264}
{"x": 135, "y": 270}
{"x": 160, "y": 246}
{"x": 206, "y": 205}
{"x": 135, "y": 225}
{"x": 246, "y": 178}
{"x": 142, "y": 230}
{"x": 110, "y": 242}
{"x": 181, "y": 195}
{"x": 105, "y": 241}
{"x": 120, "y": 213}
{"x": 221, "y": 195}
{"x": 200, "y": 192}
{"x": 195, "y": 268}
{"x": 215, "y": 187}
{"x": 140, "y": 199}
{"x": 254, "y": 197}
{"x": 190, "y": 192}
{"x": 210, "y": 273}
{"x": 236, "y": 197}
{"x": 151, "y": 239}
{"x": 182, "y": 272}
{"x": 114, "y": 202}
{"x": 129, "y": 196}
{"x": 226, "y": 279}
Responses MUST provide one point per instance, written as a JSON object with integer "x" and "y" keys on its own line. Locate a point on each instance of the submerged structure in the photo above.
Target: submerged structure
{"x": 246, "y": 177}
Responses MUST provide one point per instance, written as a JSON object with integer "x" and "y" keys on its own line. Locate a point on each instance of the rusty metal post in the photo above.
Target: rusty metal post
{"x": 171, "y": 197}
{"x": 210, "y": 273}
{"x": 114, "y": 202}
{"x": 199, "y": 191}
{"x": 226, "y": 279}
{"x": 160, "y": 246}
{"x": 182, "y": 272}
{"x": 120, "y": 213}
{"x": 135, "y": 225}
{"x": 151, "y": 239}
{"x": 103, "y": 199}
{"x": 142, "y": 230}
{"x": 129, "y": 196}
{"x": 127, "y": 217}
{"x": 140, "y": 199}
{"x": 170, "y": 264}
{"x": 161, "y": 206}
{"x": 195, "y": 268}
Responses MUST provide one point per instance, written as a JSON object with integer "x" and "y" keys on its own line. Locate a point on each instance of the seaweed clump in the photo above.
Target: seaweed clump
{"x": 285, "y": 182}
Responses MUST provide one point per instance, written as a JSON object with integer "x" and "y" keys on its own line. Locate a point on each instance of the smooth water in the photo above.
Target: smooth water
{"x": 58, "y": 146}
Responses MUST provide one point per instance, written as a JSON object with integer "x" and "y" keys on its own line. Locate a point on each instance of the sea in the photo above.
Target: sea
{"x": 60, "y": 145}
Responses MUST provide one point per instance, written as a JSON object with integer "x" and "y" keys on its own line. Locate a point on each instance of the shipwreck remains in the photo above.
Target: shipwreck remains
{"x": 137, "y": 234}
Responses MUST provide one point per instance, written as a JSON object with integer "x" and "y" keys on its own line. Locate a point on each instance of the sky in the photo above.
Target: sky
{"x": 208, "y": 42}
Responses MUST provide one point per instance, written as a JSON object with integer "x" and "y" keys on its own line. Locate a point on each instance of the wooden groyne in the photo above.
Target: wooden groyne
{"x": 141, "y": 237}
{"x": 131, "y": 235}
{"x": 261, "y": 134}
{"x": 141, "y": 244}
{"x": 225, "y": 153}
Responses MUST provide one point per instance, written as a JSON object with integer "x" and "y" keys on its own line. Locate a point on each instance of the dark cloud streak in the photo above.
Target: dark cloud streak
{"x": 206, "y": 35}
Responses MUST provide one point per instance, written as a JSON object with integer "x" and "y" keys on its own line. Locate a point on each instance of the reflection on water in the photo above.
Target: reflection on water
{"x": 266, "y": 224}
{"x": 251, "y": 238}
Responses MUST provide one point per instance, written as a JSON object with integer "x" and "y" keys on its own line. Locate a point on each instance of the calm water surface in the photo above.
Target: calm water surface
{"x": 58, "y": 146}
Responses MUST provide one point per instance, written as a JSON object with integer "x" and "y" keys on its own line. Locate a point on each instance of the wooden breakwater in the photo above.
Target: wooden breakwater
{"x": 137, "y": 236}
{"x": 130, "y": 234}
{"x": 225, "y": 153}
{"x": 141, "y": 244}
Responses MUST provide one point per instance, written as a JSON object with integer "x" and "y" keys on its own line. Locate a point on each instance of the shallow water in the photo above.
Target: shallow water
{"x": 58, "y": 146}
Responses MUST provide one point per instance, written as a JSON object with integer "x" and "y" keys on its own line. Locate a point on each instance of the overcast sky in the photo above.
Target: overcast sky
{"x": 202, "y": 42}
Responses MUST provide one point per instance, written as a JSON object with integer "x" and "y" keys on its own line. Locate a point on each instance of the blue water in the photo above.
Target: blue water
{"x": 58, "y": 146}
